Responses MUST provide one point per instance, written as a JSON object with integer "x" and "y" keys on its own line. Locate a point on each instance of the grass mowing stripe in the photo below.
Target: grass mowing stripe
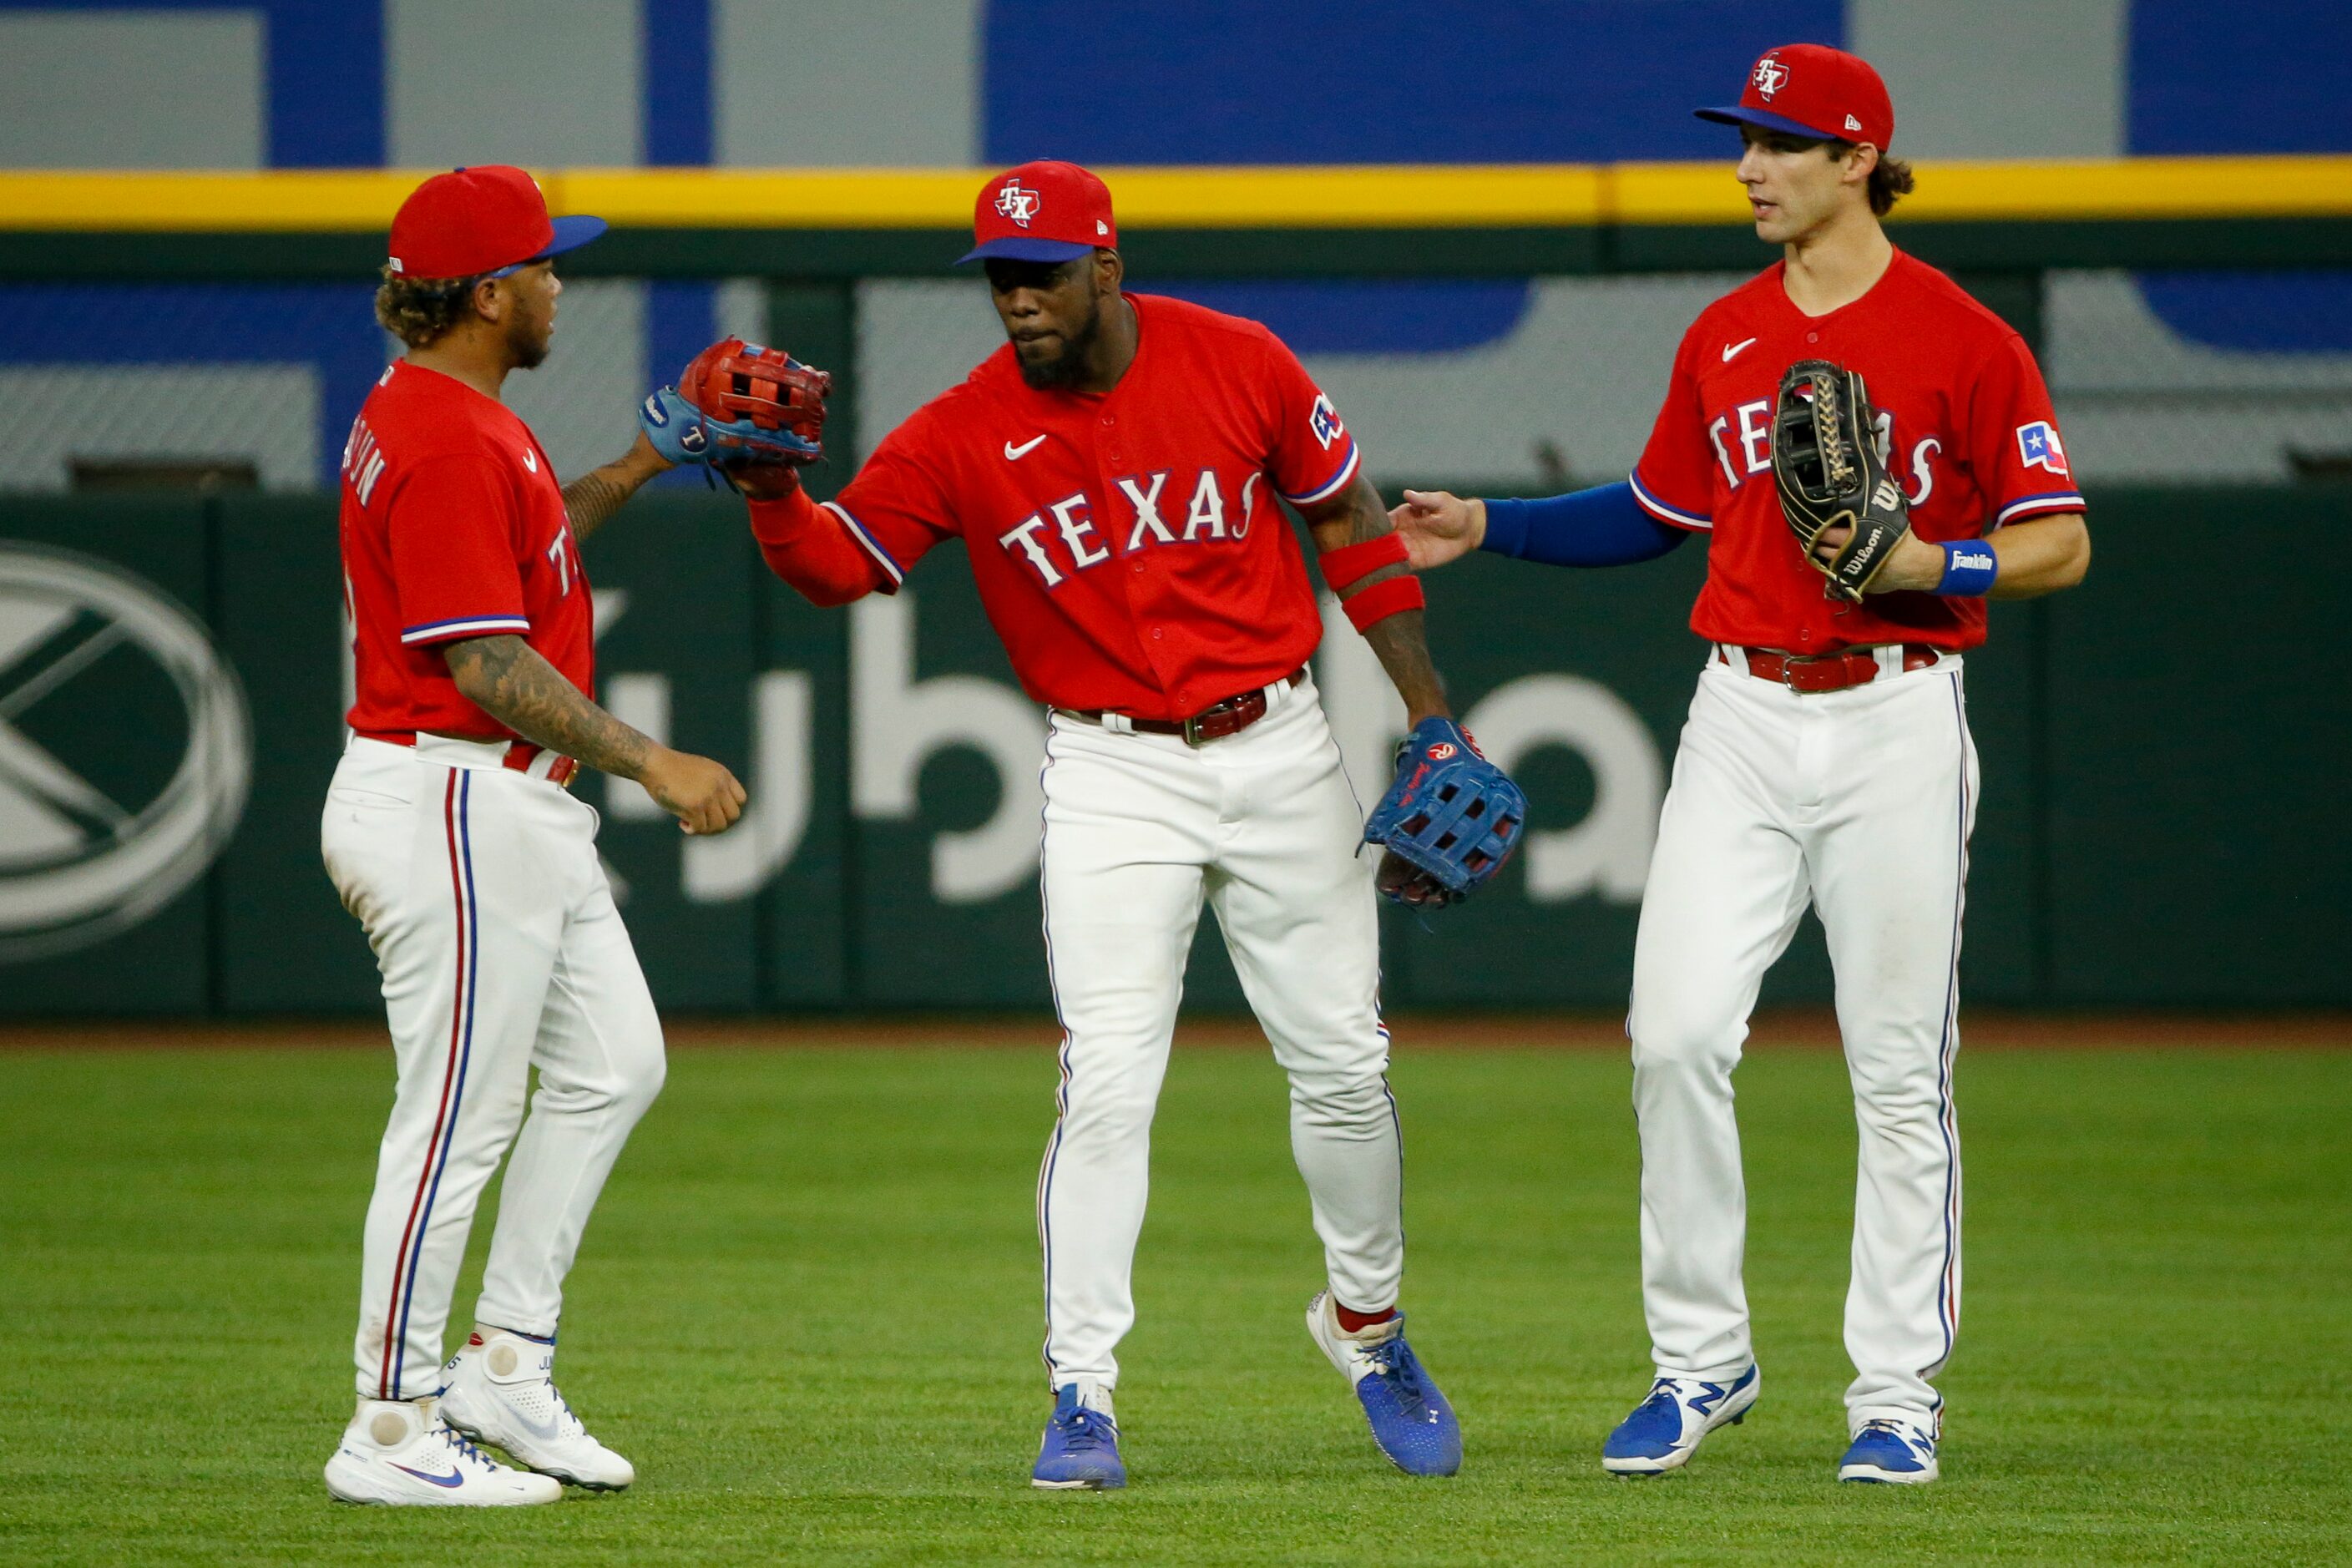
{"x": 808, "y": 1309}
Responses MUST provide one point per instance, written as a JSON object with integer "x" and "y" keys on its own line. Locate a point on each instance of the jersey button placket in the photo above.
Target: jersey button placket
{"x": 1110, "y": 460}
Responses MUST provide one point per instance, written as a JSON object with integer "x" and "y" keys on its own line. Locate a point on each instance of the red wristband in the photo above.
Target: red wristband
{"x": 1350, "y": 563}
{"x": 1381, "y": 600}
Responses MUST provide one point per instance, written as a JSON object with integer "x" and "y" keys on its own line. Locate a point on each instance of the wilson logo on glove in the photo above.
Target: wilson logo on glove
{"x": 1830, "y": 474}
{"x": 739, "y": 405}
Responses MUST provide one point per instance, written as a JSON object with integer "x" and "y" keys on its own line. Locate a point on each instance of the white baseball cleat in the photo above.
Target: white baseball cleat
{"x": 401, "y": 1453}
{"x": 501, "y": 1389}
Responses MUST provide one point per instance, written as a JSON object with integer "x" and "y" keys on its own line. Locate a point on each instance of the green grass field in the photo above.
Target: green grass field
{"x": 809, "y": 1310}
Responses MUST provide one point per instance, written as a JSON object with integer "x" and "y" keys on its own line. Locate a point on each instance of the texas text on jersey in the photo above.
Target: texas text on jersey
{"x": 1127, "y": 544}
{"x": 1963, "y": 415}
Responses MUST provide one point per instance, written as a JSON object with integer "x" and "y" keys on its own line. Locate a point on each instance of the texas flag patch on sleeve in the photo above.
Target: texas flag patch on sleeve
{"x": 1323, "y": 421}
{"x": 2037, "y": 446}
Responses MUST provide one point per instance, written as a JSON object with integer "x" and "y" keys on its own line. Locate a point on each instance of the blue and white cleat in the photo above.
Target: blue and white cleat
{"x": 1892, "y": 1453}
{"x": 1664, "y": 1429}
{"x": 1080, "y": 1449}
{"x": 1410, "y": 1420}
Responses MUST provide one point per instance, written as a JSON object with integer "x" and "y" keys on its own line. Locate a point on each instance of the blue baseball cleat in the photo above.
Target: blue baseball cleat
{"x": 1410, "y": 1420}
{"x": 1664, "y": 1429}
{"x": 1890, "y": 1452}
{"x": 1080, "y": 1450}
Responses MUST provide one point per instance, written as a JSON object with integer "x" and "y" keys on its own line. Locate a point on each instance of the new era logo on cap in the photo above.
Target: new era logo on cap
{"x": 1815, "y": 91}
{"x": 1045, "y": 211}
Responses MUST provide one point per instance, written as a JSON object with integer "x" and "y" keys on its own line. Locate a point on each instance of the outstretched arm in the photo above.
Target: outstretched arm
{"x": 806, "y": 546}
{"x": 1355, "y": 515}
{"x": 507, "y": 678}
{"x": 597, "y": 494}
{"x": 1603, "y": 526}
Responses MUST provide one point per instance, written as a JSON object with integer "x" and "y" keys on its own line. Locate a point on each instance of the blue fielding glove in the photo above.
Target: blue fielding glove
{"x": 1448, "y": 822}
{"x": 684, "y": 435}
{"x": 674, "y": 427}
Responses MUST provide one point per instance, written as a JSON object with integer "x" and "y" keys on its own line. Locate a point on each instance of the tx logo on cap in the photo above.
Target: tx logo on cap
{"x": 1019, "y": 203}
{"x": 1772, "y": 75}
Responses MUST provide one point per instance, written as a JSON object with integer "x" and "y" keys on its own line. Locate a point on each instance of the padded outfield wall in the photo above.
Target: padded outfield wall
{"x": 2160, "y": 823}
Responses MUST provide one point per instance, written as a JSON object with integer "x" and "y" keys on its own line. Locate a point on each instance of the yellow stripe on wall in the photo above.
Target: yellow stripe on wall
{"x": 2123, "y": 188}
{"x": 1352, "y": 196}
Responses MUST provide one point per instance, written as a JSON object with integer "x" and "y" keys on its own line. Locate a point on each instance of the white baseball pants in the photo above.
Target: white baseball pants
{"x": 501, "y": 950}
{"x": 1139, "y": 829}
{"x": 1859, "y": 801}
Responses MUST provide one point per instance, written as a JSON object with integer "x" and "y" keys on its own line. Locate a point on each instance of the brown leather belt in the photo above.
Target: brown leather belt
{"x": 1214, "y": 722}
{"x": 1828, "y": 671}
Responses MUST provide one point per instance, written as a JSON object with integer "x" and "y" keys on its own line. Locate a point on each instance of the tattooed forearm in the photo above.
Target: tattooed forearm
{"x": 596, "y": 495}
{"x": 592, "y": 497}
{"x": 508, "y": 680}
{"x": 1401, "y": 641}
{"x": 1352, "y": 517}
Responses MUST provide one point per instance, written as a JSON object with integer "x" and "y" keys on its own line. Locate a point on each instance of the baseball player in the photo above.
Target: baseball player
{"x": 450, "y": 833}
{"x": 1114, "y": 473}
{"x": 1827, "y": 758}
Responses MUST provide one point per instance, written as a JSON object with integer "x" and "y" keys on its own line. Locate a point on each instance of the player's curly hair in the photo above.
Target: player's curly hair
{"x": 1890, "y": 179}
{"x": 420, "y": 311}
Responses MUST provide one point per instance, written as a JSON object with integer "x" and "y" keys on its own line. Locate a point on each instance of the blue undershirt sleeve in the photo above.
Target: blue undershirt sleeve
{"x": 1603, "y": 526}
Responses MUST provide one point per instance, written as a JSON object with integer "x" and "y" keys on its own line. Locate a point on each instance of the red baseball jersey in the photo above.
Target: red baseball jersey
{"x": 1127, "y": 544}
{"x": 453, "y": 527}
{"x": 1963, "y": 416}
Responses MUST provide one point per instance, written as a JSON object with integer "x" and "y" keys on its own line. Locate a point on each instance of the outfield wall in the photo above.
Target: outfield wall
{"x": 2162, "y": 756}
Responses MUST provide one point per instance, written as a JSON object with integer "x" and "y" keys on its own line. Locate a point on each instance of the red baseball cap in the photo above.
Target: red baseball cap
{"x": 1811, "y": 89}
{"x": 1044, "y": 211}
{"x": 491, "y": 217}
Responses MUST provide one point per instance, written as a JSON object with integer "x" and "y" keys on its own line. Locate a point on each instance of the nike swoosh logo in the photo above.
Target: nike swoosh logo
{"x": 531, "y": 460}
{"x": 457, "y": 1479}
{"x": 1731, "y": 351}
{"x": 1014, "y": 454}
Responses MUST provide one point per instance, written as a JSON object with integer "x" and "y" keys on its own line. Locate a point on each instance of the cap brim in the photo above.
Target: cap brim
{"x": 1021, "y": 247}
{"x": 571, "y": 233}
{"x": 1741, "y": 114}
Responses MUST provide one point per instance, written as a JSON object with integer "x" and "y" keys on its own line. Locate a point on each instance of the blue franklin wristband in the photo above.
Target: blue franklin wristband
{"x": 1969, "y": 569}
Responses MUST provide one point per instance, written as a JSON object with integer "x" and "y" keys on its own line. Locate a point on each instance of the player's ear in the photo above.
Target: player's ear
{"x": 1110, "y": 269}
{"x": 489, "y": 300}
{"x": 1861, "y": 158}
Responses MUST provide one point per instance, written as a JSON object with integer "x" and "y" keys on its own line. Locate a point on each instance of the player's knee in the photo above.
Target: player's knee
{"x": 1908, "y": 1100}
{"x": 628, "y": 1082}
{"x": 1349, "y": 1099}
{"x": 639, "y": 1084}
{"x": 1675, "y": 1037}
{"x": 1108, "y": 1113}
